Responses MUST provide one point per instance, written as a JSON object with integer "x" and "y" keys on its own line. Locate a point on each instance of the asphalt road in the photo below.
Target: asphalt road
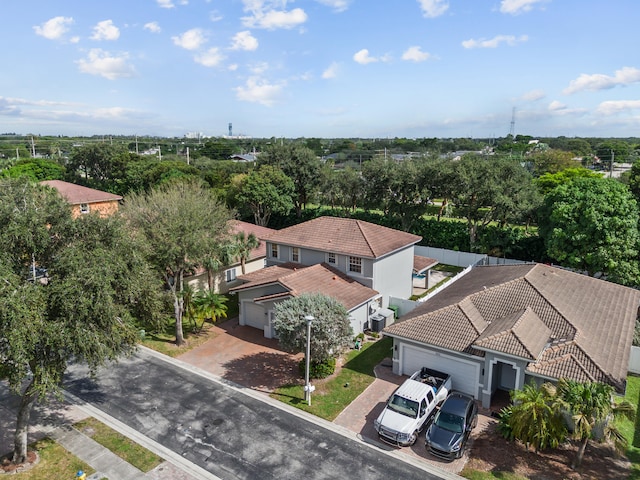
{"x": 229, "y": 433}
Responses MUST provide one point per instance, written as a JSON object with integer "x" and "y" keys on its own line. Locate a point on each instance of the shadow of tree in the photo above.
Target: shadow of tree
{"x": 370, "y": 356}
{"x": 264, "y": 371}
{"x": 491, "y": 452}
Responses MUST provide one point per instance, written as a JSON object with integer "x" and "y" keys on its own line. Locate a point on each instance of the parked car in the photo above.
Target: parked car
{"x": 449, "y": 432}
{"x": 411, "y": 405}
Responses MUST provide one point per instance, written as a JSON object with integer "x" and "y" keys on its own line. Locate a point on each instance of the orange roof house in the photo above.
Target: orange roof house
{"x": 86, "y": 200}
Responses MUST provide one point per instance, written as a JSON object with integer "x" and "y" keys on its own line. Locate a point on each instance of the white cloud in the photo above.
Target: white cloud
{"x": 105, "y": 30}
{"x": 191, "y": 39}
{"x": 210, "y": 58}
{"x": 54, "y": 28}
{"x": 362, "y": 57}
{"x": 598, "y": 81}
{"x": 556, "y": 106}
{"x": 533, "y": 95}
{"x": 153, "y": 27}
{"x": 104, "y": 64}
{"x": 259, "y": 91}
{"x": 244, "y": 41}
{"x": 415, "y": 54}
{"x": 494, "y": 42}
{"x": 515, "y": 7}
{"x": 433, "y": 8}
{"x": 165, "y": 3}
{"x": 271, "y": 14}
{"x": 337, "y": 5}
{"x": 215, "y": 16}
{"x": 612, "y": 107}
{"x": 331, "y": 71}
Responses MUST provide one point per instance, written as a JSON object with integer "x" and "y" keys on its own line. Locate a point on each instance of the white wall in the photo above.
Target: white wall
{"x": 634, "y": 360}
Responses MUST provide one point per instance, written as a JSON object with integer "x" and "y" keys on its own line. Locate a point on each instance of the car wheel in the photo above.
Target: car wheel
{"x": 461, "y": 451}
{"x": 414, "y": 437}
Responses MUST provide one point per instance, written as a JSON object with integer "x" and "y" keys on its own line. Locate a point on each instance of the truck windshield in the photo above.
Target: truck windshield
{"x": 449, "y": 421}
{"x": 404, "y": 406}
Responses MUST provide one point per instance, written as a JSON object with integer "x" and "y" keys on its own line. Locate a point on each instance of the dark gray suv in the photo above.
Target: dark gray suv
{"x": 449, "y": 432}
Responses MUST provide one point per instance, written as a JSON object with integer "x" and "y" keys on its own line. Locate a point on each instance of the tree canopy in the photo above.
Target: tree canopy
{"x": 182, "y": 223}
{"x": 591, "y": 224}
{"x": 96, "y": 286}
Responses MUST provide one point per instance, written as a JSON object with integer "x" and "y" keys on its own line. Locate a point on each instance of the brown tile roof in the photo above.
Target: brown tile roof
{"x": 319, "y": 278}
{"x": 420, "y": 264}
{"x": 345, "y": 236}
{"x": 587, "y": 323}
{"x": 522, "y": 334}
{"x": 260, "y": 232}
{"x": 77, "y": 194}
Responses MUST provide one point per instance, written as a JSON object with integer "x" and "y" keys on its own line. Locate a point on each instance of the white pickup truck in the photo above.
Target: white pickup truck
{"x": 409, "y": 407}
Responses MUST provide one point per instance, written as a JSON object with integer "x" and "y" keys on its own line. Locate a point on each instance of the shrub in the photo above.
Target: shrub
{"x": 317, "y": 369}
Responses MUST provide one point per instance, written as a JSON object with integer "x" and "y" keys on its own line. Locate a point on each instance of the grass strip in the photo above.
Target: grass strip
{"x": 125, "y": 448}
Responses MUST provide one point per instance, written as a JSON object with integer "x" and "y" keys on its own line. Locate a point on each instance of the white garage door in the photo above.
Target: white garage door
{"x": 254, "y": 315}
{"x": 464, "y": 375}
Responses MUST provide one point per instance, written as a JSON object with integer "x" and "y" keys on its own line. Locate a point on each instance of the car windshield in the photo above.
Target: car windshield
{"x": 449, "y": 421}
{"x": 404, "y": 406}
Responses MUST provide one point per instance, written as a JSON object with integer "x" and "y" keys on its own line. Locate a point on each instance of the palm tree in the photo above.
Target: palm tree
{"x": 535, "y": 419}
{"x": 209, "y": 305}
{"x": 244, "y": 244}
{"x": 591, "y": 405}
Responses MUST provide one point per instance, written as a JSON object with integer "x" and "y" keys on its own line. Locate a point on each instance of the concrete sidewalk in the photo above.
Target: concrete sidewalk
{"x": 55, "y": 421}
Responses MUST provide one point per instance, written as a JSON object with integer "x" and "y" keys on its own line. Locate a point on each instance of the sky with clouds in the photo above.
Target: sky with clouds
{"x": 321, "y": 68}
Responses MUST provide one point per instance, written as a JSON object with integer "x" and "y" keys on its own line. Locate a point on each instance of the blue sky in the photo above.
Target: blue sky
{"x": 321, "y": 68}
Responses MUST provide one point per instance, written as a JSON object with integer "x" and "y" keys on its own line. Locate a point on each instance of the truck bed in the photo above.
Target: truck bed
{"x": 430, "y": 377}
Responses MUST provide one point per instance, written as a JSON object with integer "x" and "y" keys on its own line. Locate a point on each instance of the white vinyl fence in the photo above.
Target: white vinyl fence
{"x": 634, "y": 360}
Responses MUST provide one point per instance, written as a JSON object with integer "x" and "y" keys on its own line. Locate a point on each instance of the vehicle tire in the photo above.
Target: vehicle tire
{"x": 414, "y": 438}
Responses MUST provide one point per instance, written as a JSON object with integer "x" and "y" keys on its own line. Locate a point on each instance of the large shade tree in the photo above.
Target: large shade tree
{"x": 182, "y": 223}
{"x": 300, "y": 164}
{"x": 489, "y": 189}
{"x": 98, "y": 282}
{"x": 591, "y": 224}
{"x": 263, "y": 192}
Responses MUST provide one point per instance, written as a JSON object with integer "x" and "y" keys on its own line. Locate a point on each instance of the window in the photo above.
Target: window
{"x": 230, "y": 275}
{"x": 274, "y": 250}
{"x": 84, "y": 208}
{"x": 331, "y": 258}
{"x": 355, "y": 264}
{"x": 295, "y": 254}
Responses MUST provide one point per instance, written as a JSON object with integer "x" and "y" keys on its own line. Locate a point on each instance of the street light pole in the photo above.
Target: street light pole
{"x": 307, "y": 385}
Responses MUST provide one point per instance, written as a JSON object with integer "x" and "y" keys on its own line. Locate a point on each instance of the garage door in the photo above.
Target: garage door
{"x": 464, "y": 375}
{"x": 254, "y": 315}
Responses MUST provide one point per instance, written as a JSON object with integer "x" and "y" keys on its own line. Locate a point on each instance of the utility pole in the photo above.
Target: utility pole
{"x": 33, "y": 147}
{"x": 187, "y": 155}
{"x": 611, "y": 166}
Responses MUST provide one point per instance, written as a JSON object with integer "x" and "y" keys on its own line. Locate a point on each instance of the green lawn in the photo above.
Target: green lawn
{"x": 55, "y": 462}
{"x": 333, "y": 395}
{"x": 631, "y": 429}
{"x": 127, "y": 449}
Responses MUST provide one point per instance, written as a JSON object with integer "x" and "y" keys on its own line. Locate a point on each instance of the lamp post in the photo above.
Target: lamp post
{"x": 307, "y": 386}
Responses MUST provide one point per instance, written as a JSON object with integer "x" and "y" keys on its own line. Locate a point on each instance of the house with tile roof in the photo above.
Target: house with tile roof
{"x": 500, "y": 327}
{"x": 370, "y": 263}
{"x": 85, "y": 200}
{"x": 264, "y": 288}
{"x": 229, "y": 276}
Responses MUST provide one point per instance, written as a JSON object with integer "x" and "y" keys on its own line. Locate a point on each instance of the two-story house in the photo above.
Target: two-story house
{"x": 228, "y": 277}
{"x": 359, "y": 263}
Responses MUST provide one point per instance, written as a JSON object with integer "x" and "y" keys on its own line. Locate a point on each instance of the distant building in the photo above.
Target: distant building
{"x": 85, "y": 200}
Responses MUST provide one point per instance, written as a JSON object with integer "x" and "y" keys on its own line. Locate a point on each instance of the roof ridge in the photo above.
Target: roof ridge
{"x": 564, "y": 357}
{"x": 366, "y": 239}
{"x": 575, "y": 328}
